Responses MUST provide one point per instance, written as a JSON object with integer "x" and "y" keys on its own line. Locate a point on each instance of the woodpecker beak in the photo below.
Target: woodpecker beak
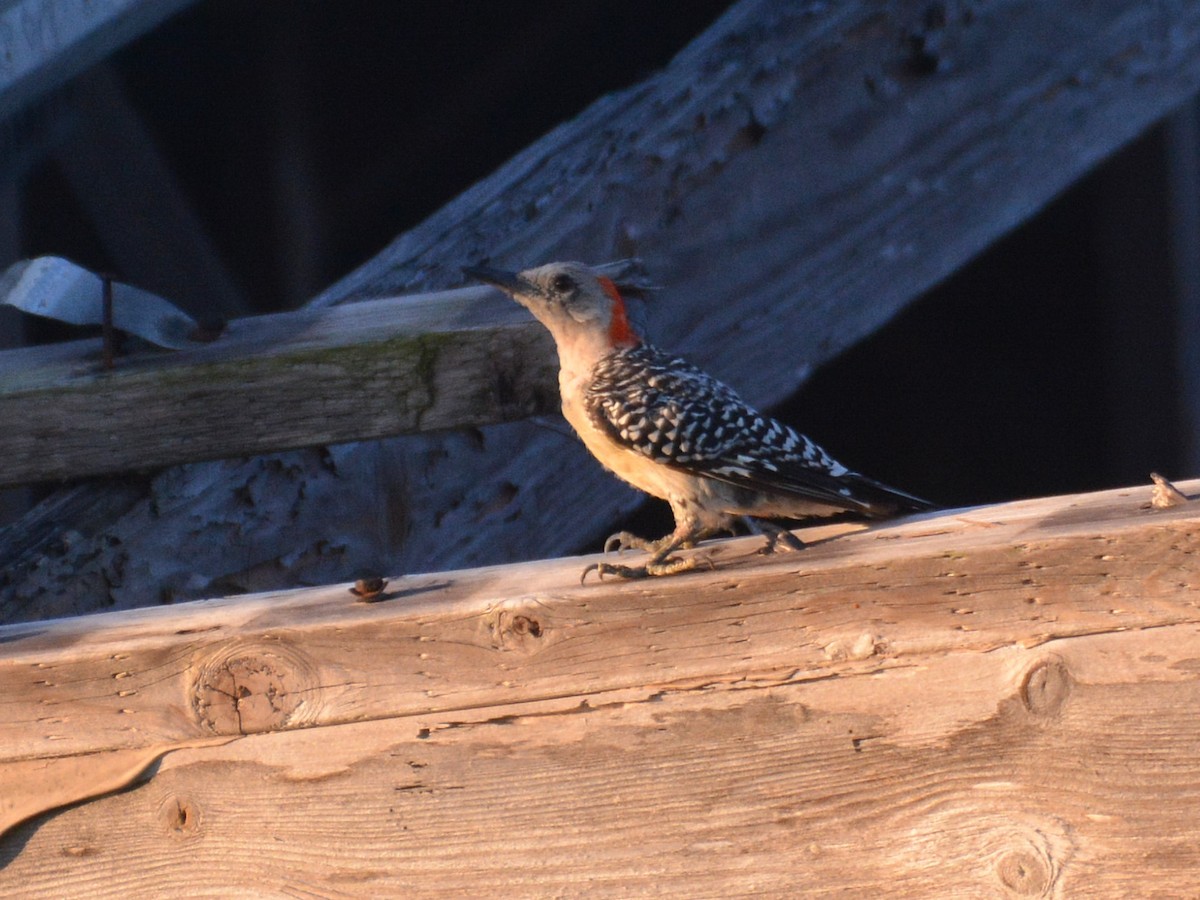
{"x": 509, "y": 282}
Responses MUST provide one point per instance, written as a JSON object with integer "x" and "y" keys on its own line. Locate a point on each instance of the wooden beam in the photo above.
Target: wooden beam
{"x": 43, "y": 43}
{"x": 970, "y": 702}
{"x": 320, "y": 376}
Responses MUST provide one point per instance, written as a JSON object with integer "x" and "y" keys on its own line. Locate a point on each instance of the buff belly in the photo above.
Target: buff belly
{"x": 703, "y": 500}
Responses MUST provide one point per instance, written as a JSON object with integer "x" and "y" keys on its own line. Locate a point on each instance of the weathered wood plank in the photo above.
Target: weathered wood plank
{"x": 964, "y": 701}
{"x": 319, "y": 376}
{"x": 1060, "y": 771}
{"x": 1033, "y": 571}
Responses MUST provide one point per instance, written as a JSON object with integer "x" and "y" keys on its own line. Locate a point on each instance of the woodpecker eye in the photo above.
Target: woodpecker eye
{"x": 562, "y": 284}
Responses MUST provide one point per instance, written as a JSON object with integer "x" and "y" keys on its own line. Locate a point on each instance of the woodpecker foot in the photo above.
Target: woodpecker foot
{"x": 671, "y": 565}
{"x": 778, "y": 539}
{"x": 625, "y": 540}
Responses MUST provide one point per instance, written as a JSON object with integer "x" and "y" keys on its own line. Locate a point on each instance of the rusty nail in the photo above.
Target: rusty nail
{"x": 368, "y": 589}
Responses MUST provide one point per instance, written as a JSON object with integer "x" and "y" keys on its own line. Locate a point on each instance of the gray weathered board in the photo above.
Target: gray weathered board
{"x": 988, "y": 702}
{"x": 312, "y": 377}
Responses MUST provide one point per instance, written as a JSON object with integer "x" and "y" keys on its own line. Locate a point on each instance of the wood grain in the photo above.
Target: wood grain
{"x": 807, "y": 788}
{"x": 988, "y": 702}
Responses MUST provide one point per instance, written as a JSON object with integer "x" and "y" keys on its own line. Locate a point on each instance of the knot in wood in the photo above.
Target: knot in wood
{"x": 525, "y": 625}
{"x": 1025, "y": 872}
{"x": 179, "y": 816}
{"x": 1028, "y": 854}
{"x": 256, "y": 686}
{"x": 1046, "y": 687}
{"x": 516, "y": 626}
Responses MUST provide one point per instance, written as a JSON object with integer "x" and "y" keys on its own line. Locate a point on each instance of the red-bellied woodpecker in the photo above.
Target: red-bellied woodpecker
{"x": 663, "y": 425}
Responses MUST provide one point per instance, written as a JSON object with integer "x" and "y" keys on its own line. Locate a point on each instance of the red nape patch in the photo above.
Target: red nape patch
{"x": 619, "y": 331}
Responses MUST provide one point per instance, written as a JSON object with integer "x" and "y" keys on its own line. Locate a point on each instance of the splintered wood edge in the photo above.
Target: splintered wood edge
{"x": 91, "y": 702}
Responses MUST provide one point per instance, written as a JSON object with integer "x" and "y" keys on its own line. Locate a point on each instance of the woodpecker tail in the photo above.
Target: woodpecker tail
{"x": 877, "y": 500}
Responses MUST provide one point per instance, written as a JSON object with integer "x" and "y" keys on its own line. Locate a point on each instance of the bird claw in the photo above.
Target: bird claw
{"x": 625, "y": 540}
{"x": 601, "y": 569}
{"x": 780, "y": 540}
{"x": 669, "y": 566}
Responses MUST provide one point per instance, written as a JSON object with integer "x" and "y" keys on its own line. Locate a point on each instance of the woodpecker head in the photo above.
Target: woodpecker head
{"x": 581, "y": 308}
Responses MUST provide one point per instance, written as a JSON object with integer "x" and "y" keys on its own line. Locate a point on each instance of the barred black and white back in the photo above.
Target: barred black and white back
{"x": 672, "y": 412}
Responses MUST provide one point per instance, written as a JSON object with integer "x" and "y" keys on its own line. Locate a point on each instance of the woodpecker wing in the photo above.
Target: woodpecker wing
{"x": 668, "y": 410}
